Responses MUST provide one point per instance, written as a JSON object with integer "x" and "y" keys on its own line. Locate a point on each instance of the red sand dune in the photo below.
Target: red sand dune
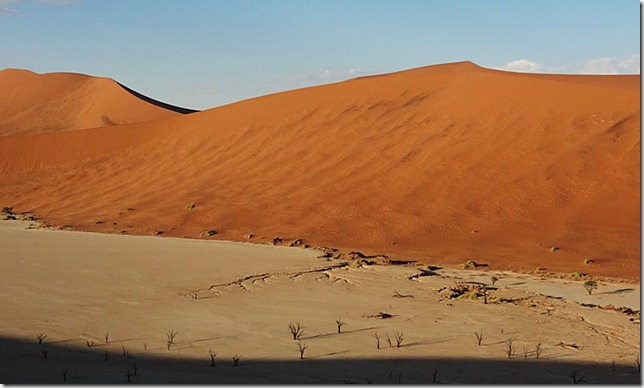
{"x": 442, "y": 164}
{"x": 31, "y": 102}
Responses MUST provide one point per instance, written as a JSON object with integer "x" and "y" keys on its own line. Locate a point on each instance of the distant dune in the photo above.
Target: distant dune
{"x": 31, "y": 103}
{"x": 443, "y": 164}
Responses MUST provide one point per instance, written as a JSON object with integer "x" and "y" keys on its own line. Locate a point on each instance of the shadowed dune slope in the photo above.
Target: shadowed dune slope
{"x": 31, "y": 103}
{"x": 443, "y": 163}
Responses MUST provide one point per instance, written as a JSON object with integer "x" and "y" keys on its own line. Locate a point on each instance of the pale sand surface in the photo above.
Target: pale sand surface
{"x": 77, "y": 286}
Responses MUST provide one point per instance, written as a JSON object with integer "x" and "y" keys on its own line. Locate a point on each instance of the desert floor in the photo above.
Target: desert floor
{"x": 238, "y": 298}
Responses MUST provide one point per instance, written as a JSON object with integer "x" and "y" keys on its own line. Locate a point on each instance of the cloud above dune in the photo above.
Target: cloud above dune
{"x": 628, "y": 64}
{"x": 5, "y": 9}
{"x": 337, "y": 75}
{"x": 607, "y": 65}
{"x": 522, "y": 65}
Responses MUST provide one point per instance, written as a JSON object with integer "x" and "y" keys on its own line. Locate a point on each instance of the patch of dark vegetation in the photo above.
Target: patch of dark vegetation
{"x": 399, "y": 295}
{"x": 634, "y": 315}
{"x": 277, "y": 241}
{"x": 471, "y": 264}
{"x": 381, "y": 315}
{"x": 401, "y": 262}
{"x": 428, "y": 270}
{"x": 326, "y": 251}
{"x": 296, "y": 243}
{"x": 464, "y": 290}
{"x": 7, "y": 213}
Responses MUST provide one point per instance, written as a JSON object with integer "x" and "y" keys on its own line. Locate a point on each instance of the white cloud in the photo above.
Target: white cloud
{"x": 628, "y": 64}
{"x": 616, "y": 65}
{"x": 522, "y": 65}
{"x": 336, "y": 75}
{"x": 5, "y": 9}
{"x": 356, "y": 72}
{"x": 326, "y": 74}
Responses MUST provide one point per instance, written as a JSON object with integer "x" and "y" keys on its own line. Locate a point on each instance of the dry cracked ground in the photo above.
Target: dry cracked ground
{"x": 113, "y": 309}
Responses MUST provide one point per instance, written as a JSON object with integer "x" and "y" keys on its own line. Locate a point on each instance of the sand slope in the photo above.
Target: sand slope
{"x": 31, "y": 103}
{"x": 443, "y": 163}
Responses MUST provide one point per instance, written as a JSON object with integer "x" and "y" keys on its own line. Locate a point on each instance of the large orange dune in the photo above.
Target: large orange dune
{"x": 440, "y": 164}
{"x": 31, "y": 103}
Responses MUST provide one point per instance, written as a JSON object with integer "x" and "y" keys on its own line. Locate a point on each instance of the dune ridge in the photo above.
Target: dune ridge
{"x": 32, "y": 103}
{"x": 442, "y": 164}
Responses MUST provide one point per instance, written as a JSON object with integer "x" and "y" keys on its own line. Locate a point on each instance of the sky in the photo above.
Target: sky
{"x": 204, "y": 53}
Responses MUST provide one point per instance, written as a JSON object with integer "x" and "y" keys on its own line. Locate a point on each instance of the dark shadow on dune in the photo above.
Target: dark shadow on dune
{"x": 160, "y": 104}
{"x": 24, "y": 362}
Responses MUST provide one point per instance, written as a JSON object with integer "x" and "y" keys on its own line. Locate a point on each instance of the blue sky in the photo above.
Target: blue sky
{"x": 204, "y": 53}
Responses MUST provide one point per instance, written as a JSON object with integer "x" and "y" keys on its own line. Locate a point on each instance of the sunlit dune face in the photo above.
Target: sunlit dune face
{"x": 444, "y": 164}
{"x": 34, "y": 103}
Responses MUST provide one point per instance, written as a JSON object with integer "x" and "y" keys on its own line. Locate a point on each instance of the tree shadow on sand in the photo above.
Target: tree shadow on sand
{"x": 620, "y": 291}
{"x": 335, "y": 333}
